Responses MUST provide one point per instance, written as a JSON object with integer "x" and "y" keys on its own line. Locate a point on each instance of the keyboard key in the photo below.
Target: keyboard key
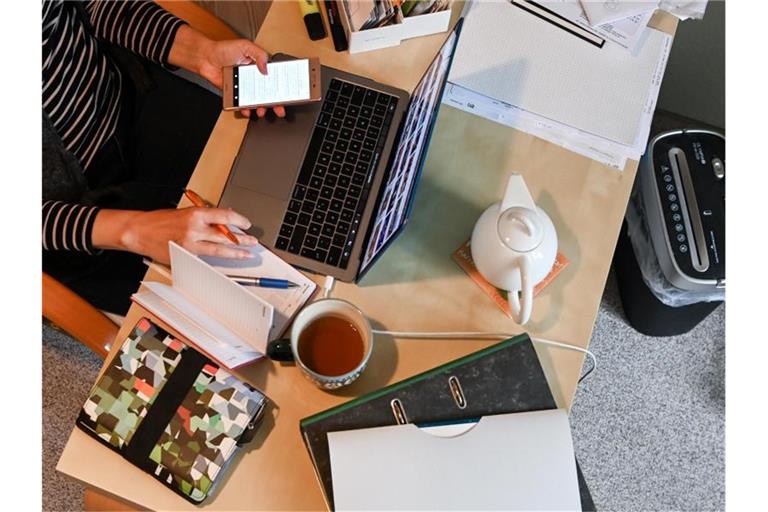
{"x": 376, "y": 122}
{"x": 294, "y": 206}
{"x": 358, "y": 135}
{"x": 316, "y": 182}
{"x": 335, "y": 85}
{"x": 351, "y": 158}
{"x": 334, "y": 255}
{"x": 322, "y": 204}
{"x": 324, "y": 242}
{"x": 342, "y": 102}
{"x": 370, "y": 98}
{"x": 310, "y": 241}
{"x": 320, "y": 171}
{"x": 354, "y": 190}
{"x": 347, "y": 215}
{"x": 304, "y": 219}
{"x": 324, "y": 159}
{"x": 345, "y": 258}
{"x": 343, "y": 227}
{"x": 342, "y": 145}
{"x": 297, "y": 239}
{"x": 282, "y": 243}
{"x": 366, "y": 112}
{"x": 362, "y": 123}
{"x": 350, "y": 202}
{"x": 299, "y": 191}
{"x": 339, "y": 239}
{"x": 312, "y": 194}
{"x": 327, "y": 106}
{"x": 374, "y": 133}
{"x": 339, "y": 113}
{"x": 368, "y": 143}
{"x": 362, "y": 167}
{"x": 358, "y": 179}
{"x": 314, "y": 254}
{"x": 327, "y": 147}
{"x": 334, "y": 168}
{"x": 346, "y": 89}
{"x": 357, "y": 95}
{"x": 332, "y": 95}
{"x": 326, "y": 192}
{"x": 349, "y": 122}
{"x": 318, "y": 217}
{"x": 318, "y": 134}
{"x": 290, "y": 218}
{"x": 366, "y": 155}
{"x": 286, "y": 231}
{"x": 308, "y": 207}
{"x": 330, "y": 181}
{"x": 343, "y": 182}
{"x": 340, "y": 193}
{"x": 347, "y": 170}
{"x": 336, "y": 205}
{"x": 332, "y": 135}
{"x": 314, "y": 229}
{"x": 346, "y": 133}
{"x": 383, "y": 99}
{"x": 355, "y": 146}
{"x": 338, "y": 157}
{"x": 336, "y": 124}
{"x": 380, "y": 109}
{"x": 332, "y": 217}
{"x": 329, "y": 230}
{"x": 324, "y": 119}
{"x": 353, "y": 111}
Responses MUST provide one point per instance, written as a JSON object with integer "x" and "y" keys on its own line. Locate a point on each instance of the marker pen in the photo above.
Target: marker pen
{"x": 312, "y": 19}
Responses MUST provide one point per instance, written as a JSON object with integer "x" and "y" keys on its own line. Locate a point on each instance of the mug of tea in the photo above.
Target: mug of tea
{"x": 331, "y": 341}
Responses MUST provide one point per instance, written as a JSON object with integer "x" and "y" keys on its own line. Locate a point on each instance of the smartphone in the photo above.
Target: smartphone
{"x": 286, "y": 83}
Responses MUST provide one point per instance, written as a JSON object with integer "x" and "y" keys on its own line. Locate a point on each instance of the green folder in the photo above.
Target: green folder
{"x": 503, "y": 378}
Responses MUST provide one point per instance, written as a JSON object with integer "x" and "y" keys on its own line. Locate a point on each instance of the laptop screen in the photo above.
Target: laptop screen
{"x": 411, "y": 149}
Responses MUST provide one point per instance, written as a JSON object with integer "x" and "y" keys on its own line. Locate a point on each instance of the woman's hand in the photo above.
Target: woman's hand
{"x": 193, "y": 51}
{"x": 148, "y": 233}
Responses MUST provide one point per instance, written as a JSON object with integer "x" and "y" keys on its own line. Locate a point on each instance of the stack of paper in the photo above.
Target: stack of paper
{"x": 529, "y": 66}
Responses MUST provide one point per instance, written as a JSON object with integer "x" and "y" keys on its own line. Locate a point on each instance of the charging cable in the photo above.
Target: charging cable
{"x": 328, "y": 288}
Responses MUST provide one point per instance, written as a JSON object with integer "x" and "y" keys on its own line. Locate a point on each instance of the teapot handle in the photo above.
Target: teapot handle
{"x": 522, "y": 312}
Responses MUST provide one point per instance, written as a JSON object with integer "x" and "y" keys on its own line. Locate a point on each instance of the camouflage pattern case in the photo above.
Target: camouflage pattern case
{"x": 171, "y": 411}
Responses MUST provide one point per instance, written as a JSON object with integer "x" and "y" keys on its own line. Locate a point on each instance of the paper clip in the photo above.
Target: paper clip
{"x": 457, "y": 392}
{"x": 398, "y": 411}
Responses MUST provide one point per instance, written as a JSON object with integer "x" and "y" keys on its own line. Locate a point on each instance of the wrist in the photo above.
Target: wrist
{"x": 191, "y": 50}
{"x": 116, "y": 229}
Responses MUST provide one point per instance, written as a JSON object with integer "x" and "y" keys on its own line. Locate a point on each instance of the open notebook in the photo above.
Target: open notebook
{"x": 230, "y": 323}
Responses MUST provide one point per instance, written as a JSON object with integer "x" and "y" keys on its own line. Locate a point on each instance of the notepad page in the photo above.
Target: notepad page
{"x": 264, "y": 263}
{"x": 249, "y": 316}
{"x": 192, "y": 322}
{"x": 511, "y": 55}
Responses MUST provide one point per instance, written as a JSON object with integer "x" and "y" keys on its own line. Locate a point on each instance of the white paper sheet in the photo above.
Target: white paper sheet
{"x": 521, "y": 461}
{"x": 513, "y": 56}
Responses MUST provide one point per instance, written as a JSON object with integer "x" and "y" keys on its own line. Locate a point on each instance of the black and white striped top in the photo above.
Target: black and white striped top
{"x": 82, "y": 88}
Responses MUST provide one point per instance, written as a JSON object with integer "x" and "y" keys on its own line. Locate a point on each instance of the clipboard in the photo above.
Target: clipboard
{"x": 503, "y": 378}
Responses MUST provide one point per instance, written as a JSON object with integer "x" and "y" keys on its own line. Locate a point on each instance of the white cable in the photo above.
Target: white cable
{"x": 328, "y": 286}
{"x": 480, "y": 335}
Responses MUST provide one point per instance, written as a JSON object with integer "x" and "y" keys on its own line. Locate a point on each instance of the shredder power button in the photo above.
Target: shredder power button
{"x": 719, "y": 168}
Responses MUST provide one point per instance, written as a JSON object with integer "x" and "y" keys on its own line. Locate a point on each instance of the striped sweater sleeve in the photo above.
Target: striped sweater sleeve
{"x": 141, "y": 26}
{"x": 68, "y": 226}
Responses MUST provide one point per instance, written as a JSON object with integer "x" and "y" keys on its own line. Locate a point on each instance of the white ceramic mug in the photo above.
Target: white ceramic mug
{"x": 338, "y": 308}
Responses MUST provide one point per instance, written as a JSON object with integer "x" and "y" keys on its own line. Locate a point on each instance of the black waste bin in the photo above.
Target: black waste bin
{"x": 670, "y": 256}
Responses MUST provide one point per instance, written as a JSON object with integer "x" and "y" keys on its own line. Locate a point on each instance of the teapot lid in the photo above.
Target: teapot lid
{"x": 520, "y": 228}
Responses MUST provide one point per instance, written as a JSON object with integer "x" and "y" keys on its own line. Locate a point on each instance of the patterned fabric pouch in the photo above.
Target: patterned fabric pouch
{"x": 171, "y": 411}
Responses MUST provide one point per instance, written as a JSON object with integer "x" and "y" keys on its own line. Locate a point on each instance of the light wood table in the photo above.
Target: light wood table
{"x": 415, "y": 285}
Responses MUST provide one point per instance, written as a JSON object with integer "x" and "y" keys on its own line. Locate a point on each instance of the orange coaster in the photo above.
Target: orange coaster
{"x": 463, "y": 257}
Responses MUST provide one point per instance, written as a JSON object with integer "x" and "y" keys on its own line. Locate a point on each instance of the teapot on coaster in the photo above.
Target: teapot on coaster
{"x": 514, "y": 246}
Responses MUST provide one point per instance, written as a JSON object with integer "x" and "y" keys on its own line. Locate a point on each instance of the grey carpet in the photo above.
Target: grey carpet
{"x": 648, "y": 426}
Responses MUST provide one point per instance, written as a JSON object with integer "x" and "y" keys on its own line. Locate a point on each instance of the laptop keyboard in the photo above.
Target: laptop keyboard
{"x": 331, "y": 190}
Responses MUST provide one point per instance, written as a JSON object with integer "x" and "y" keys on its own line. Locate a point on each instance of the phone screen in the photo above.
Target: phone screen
{"x": 284, "y": 81}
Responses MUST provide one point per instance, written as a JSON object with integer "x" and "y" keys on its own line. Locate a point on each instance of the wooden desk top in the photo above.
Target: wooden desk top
{"x": 415, "y": 286}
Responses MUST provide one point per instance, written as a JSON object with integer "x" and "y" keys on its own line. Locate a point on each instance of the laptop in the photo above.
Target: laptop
{"x": 332, "y": 185}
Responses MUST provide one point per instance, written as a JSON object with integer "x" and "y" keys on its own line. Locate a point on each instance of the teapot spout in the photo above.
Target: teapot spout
{"x": 517, "y": 194}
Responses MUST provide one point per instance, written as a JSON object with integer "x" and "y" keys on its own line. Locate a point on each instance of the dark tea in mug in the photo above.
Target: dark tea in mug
{"x": 331, "y": 345}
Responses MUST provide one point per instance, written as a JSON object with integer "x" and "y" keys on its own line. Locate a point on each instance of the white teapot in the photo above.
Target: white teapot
{"x": 514, "y": 245}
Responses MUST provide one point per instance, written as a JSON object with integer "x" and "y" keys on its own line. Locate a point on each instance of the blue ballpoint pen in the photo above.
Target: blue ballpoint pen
{"x": 263, "y": 282}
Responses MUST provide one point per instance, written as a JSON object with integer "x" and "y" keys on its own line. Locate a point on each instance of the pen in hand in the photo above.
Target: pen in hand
{"x": 200, "y": 203}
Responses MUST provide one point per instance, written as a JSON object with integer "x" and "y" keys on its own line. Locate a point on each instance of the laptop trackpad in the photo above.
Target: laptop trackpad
{"x": 273, "y": 150}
